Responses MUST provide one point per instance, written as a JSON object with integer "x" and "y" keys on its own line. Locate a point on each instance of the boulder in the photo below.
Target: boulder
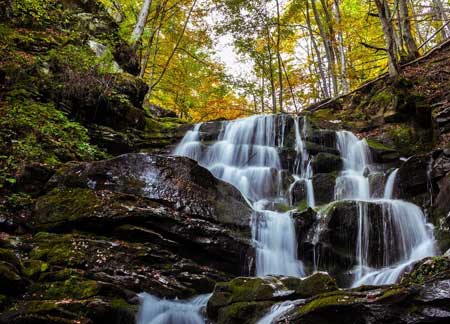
{"x": 382, "y": 153}
{"x": 314, "y": 148}
{"x": 268, "y": 289}
{"x": 209, "y": 132}
{"x": 304, "y": 219}
{"x": 326, "y": 163}
{"x": 298, "y": 193}
{"x": 412, "y": 176}
{"x": 141, "y": 220}
{"x": 322, "y": 137}
{"x": 323, "y": 184}
{"x": 176, "y": 181}
{"x": 331, "y": 240}
{"x": 409, "y": 302}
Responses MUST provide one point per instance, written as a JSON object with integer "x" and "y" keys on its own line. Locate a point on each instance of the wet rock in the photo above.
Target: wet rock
{"x": 427, "y": 303}
{"x": 177, "y": 181}
{"x": 288, "y": 157}
{"x": 382, "y": 153}
{"x": 298, "y": 193}
{"x": 325, "y": 163}
{"x": 377, "y": 183}
{"x": 33, "y": 177}
{"x": 412, "y": 176}
{"x": 322, "y": 137}
{"x": 141, "y": 220}
{"x": 332, "y": 239}
{"x": 441, "y": 213}
{"x": 323, "y": 184}
{"x": 304, "y": 219}
{"x": 210, "y": 131}
{"x": 314, "y": 149}
{"x": 267, "y": 289}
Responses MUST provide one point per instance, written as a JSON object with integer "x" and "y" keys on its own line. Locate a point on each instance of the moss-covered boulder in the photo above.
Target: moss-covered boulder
{"x": 382, "y": 153}
{"x": 243, "y": 292}
{"x": 178, "y": 181}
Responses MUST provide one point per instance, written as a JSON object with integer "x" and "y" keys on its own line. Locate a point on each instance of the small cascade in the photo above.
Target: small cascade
{"x": 406, "y": 234}
{"x": 190, "y": 144}
{"x": 276, "y": 311}
{"x": 161, "y": 311}
{"x": 353, "y": 182}
{"x": 245, "y": 155}
{"x": 303, "y": 170}
{"x": 390, "y": 184}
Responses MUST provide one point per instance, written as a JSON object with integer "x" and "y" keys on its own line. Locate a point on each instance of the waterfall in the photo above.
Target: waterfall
{"x": 390, "y": 183}
{"x": 157, "y": 311}
{"x": 246, "y": 156}
{"x": 352, "y": 183}
{"x": 406, "y": 235}
{"x": 303, "y": 170}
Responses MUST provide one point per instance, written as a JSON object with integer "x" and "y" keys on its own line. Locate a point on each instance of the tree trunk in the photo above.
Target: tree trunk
{"x": 140, "y": 23}
{"x": 343, "y": 59}
{"x": 388, "y": 31}
{"x": 328, "y": 48}
{"x": 271, "y": 77}
{"x": 325, "y": 88}
{"x": 280, "y": 68}
{"x": 442, "y": 15}
{"x": 408, "y": 39}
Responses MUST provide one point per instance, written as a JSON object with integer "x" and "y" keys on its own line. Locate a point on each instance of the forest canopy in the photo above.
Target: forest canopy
{"x": 291, "y": 53}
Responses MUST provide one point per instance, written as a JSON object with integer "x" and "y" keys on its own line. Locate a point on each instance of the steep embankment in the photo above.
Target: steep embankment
{"x": 68, "y": 91}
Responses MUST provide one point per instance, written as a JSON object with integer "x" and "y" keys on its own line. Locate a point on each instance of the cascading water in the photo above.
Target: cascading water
{"x": 303, "y": 170}
{"x": 246, "y": 156}
{"x": 157, "y": 311}
{"x": 406, "y": 235}
{"x": 390, "y": 185}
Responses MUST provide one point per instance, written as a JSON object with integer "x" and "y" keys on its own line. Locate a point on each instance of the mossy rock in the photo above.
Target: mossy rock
{"x": 250, "y": 290}
{"x": 33, "y": 268}
{"x": 328, "y": 300}
{"x": 10, "y": 280}
{"x": 65, "y": 205}
{"x": 245, "y": 312}
{"x": 71, "y": 288}
{"x": 326, "y": 163}
{"x": 427, "y": 270}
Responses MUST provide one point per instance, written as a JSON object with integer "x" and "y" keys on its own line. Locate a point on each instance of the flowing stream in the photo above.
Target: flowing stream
{"x": 246, "y": 155}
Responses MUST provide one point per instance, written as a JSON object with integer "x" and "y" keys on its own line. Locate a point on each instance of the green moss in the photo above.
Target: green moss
{"x": 32, "y": 268}
{"x": 70, "y": 288}
{"x": 393, "y": 292}
{"x": 245, "y": 312}
{"x": 326, "y": 300}
{"x": 383, "y": 98}
{"x": 428, "y": 269}
{"x": 378, "y": 146}
{"x": 282, "y": 207}
{"x": 62, "y": 205}
{"x": 302, "y": 205}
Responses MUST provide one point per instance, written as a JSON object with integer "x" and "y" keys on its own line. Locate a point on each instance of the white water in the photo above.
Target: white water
{"x": 276, "y": 311}
{"x": 303, "y": 169}
{"x": 390, "y": 185}
{"x": 246, "y": 156}
{"x": 160, "y": 311}
{"x": 406, "y": 235}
